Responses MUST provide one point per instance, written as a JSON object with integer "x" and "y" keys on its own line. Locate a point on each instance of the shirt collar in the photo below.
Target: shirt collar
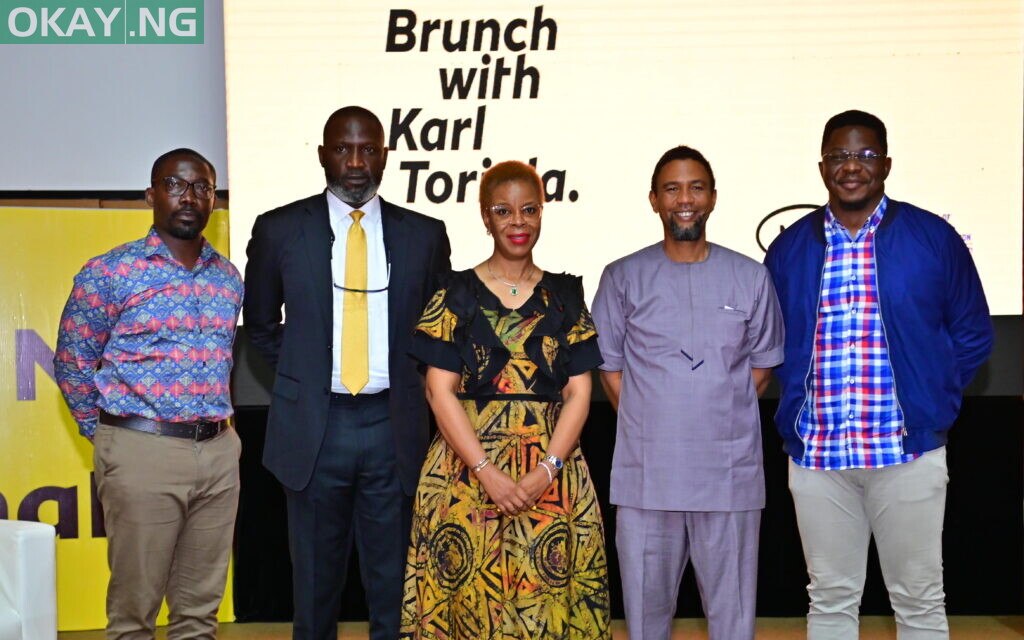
{"x": 836, "y": 232}
{"x": 155, "y": 246}
{"x": 340, "y": 210}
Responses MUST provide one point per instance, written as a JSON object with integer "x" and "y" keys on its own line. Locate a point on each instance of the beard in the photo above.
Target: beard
{"x": 686, "y": 234}
{"x": 185, "y": 233}
{"x": 185, "y": 230}
{"x": 360, "y": 195}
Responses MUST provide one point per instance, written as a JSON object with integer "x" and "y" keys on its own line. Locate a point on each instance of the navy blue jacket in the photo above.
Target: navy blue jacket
{"x": 933, "y": 310}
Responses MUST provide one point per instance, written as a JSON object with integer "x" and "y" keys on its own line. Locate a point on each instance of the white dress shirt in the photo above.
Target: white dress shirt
{"x": 377, "y": 275}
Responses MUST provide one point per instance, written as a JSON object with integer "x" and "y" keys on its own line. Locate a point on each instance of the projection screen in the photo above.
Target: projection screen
{"x": 593, "y": 92}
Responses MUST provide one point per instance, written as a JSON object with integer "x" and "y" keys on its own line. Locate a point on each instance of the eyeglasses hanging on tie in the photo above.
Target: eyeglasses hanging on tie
{"x": 381, "y": 290}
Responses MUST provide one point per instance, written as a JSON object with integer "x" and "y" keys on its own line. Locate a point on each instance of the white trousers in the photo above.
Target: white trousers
{"x": 903, "y": 507}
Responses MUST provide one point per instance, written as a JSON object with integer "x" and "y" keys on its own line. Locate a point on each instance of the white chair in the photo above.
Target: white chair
{"x": 28, "y": 581}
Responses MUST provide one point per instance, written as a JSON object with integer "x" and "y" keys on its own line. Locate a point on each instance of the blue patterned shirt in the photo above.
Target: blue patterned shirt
{"x": 851, "y": 418}
{"x": 142, "y": 335}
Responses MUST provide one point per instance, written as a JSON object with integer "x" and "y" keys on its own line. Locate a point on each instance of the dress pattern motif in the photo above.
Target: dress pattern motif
{"x": 471, "y": 571}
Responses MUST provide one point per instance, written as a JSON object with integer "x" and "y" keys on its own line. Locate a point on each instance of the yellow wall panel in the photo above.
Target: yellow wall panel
{"x": 47, "y": 466}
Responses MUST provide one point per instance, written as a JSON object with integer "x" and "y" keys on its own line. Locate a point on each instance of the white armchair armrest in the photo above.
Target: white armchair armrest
{"x": 28, "y": 581}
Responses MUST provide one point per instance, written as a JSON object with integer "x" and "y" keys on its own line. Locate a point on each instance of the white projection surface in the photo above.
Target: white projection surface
{"x": 595, "y": 91}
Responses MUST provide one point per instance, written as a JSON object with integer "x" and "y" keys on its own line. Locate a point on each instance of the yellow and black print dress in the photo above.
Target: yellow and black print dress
{"x": 472, "y": 572}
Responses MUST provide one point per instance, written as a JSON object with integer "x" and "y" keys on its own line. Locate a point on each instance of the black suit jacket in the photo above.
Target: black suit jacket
{"x": 289, "y": 263}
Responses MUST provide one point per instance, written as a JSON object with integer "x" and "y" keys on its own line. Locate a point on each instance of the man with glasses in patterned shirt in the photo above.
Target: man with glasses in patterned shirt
{"x": 144, "y": 361}
{"x": 886, "y": 323}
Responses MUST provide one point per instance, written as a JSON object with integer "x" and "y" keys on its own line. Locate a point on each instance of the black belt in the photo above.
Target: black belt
{"x": 359, "y": 398}
{"x": 198, "y": 430}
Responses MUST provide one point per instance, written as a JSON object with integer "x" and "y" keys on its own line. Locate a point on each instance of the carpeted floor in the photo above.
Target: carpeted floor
{"x": 872, "y": 628}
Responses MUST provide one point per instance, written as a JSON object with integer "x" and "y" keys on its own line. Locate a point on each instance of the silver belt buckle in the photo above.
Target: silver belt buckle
{"x": 197, "y": 429}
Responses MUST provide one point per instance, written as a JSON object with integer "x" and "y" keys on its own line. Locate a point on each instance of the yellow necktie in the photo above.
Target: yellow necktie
{"x": 355, "y": 332}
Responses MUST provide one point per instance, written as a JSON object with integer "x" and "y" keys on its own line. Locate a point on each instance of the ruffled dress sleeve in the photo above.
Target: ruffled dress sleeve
{"x": 433, "y": 341}
{"x": 584, "y": 354}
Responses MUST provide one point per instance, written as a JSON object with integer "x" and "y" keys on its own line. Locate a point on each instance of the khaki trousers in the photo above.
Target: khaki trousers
{"x": 902, "y": 506}
{"x": 169, "y": 509}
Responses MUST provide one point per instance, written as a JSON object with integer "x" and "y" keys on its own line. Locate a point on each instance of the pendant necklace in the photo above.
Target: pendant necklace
{"x": 513, "y": 288}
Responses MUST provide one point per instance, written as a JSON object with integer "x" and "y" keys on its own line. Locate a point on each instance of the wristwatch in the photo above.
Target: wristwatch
{"x": 555, "y": 461}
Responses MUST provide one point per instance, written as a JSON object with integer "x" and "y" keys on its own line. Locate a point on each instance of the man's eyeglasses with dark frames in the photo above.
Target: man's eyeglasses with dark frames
{"x": 176, "y": 186}
{"x": 838, "y": 158}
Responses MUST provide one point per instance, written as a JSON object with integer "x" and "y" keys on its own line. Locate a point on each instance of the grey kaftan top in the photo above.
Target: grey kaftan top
{"x": 685, "y": 336}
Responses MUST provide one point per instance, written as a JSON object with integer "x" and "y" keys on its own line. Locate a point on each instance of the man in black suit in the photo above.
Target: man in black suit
{"x": 347, "y": 430}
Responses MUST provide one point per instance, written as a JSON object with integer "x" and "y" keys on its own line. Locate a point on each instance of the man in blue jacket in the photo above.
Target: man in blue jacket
{"x": 886, "y": 323}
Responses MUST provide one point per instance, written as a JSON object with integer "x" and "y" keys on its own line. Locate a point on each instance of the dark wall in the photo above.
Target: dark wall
{"x": 984, "y": 530}
{"x": 1001, "y": 376}
{"x": 983, "y": 535}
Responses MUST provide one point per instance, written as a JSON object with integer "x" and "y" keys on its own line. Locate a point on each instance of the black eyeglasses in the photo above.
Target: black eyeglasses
{"x": 176, "y": 186}
{"x": 837, "y": 158}
{"x": 350, "y": 290}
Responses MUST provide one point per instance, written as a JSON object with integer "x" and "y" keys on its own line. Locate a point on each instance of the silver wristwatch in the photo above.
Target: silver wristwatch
{"x": 555, "y": 461}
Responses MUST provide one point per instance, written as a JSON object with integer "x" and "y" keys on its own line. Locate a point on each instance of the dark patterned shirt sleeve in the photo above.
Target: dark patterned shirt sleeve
{"x": 584, "y": 353}
{"x": 433, "y": 340}
{"x": 84, "y": 330}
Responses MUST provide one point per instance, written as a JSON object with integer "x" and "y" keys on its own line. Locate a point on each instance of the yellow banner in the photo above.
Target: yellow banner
{"x": 47, "y": 470}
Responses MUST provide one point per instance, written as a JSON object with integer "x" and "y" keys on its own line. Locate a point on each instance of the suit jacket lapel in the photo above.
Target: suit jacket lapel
{"x": 316, "y": 232}
{"x": 396, "y": 238}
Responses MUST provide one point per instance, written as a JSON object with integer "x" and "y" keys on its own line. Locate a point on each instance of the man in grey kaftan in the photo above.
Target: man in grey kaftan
{"x": 689, "y": 331}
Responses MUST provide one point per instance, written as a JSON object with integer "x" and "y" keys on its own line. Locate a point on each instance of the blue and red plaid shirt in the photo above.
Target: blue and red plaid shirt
{"x": 142, "y": 335}
{"x": 851, "y": 418}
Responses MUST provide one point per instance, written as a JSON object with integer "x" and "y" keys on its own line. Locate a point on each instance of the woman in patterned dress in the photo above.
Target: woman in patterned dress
{"x": 507, "y": 539}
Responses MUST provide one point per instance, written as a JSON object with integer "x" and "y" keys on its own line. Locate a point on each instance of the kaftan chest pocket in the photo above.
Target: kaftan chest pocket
{"x": 730, "y": 324}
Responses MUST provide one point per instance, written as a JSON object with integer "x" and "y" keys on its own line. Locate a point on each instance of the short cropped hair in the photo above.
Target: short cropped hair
{"x": 682, "y": 152}
{"x": 509, "y": 171}
{"x": 855, "y": 118}
{"x": 182, "y": 151}
{"x": 353, "y": 111}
